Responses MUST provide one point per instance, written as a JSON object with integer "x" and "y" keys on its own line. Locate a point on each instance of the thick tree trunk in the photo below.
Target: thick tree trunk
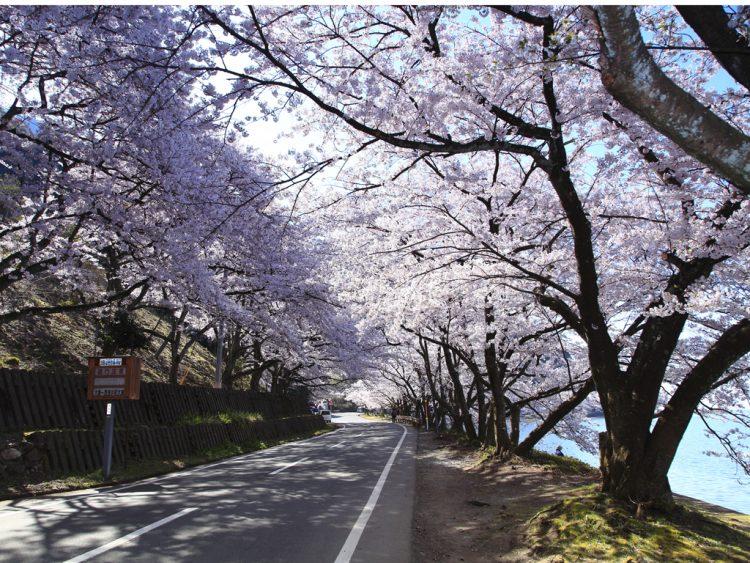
{"x": 496, "y": 375}
{"x": 257, "y": 372}
{"x": 255, "y": 381}
{"x": 275, "y": 379}
{"x": 502, "y": 439}
{"x": 635, "y": 460}
{"x": 628, "y": 475}
{"x": 627, "y": 456}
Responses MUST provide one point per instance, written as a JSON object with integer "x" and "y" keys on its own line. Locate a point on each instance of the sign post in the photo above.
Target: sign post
{"x": 109, "y": 436}
{"x": 112, "y": 379}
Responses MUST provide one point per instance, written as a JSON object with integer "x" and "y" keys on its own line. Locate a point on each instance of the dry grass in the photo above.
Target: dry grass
{"x": 62, "y": 342}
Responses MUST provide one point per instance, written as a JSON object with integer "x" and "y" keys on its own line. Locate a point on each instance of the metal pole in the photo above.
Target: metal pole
{"x": 219, "y": 353}
{"x": 109, "y": 432}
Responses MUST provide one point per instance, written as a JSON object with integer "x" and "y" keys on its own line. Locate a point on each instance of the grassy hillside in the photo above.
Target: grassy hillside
{"x": 62, "y": 342}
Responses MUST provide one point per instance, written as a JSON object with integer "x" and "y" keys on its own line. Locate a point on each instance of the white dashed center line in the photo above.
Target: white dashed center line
{"x": 131, "y": 536}
{"x": 280, "y": 469}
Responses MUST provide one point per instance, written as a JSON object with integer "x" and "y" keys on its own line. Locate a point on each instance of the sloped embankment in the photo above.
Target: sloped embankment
{"x": 472, "y": 509}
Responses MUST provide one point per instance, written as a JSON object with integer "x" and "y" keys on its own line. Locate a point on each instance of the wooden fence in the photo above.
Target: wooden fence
{"x": 79, "y": 451}
{"x": 40, "y": 401}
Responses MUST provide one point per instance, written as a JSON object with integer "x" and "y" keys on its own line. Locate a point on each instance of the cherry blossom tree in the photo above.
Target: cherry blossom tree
{"x": 129, "y": 190}
{"x": 640, "y": 232}
{"x": 491, "y": 215}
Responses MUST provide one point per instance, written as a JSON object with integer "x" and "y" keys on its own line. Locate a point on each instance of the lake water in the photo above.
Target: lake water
{"x": 717, "y": 480}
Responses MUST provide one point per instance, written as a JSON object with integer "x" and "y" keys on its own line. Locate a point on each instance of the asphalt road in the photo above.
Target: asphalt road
{"x": 344, "y": 496}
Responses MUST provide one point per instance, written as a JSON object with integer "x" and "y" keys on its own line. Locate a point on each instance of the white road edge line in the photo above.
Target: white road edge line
{"x": 287, "y": 466}
{"x": 131, "y": 536}
{"x": 347, "y": 550}
{"x": 14, "y": 510}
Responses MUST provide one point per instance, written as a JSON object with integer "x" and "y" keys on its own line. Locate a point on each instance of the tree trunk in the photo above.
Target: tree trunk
{"x": 275, "y": 373}
{"x": 255, "y": 381}
{"x": 562, "y": 410}
{"x": 174, "y": 352}
{"x": 502, "y": 439}
{"x": 232, "y": 353}
{"x": 491, "y": 438}
{"x": 635, "y": 460}
{"x": 260, "y": 366}
{"x": 174, "y": 369}
{"x": 496, "y": 374}
{"x": 515, "y": 425}
{"x": 482, "y": 411}
{"x": 628, "y": 471}
{"x": 627, "y": 475}
{"x": 458, "y": 393}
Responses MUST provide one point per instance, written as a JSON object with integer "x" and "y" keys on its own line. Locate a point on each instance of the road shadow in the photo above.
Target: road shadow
{"x": 243, "y": 513}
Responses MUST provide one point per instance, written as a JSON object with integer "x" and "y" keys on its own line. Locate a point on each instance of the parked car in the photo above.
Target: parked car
{"x": 360, "y": 409}
{"x": 326, "y": 415}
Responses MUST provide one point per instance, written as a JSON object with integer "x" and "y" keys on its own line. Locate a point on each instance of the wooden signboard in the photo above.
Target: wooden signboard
{"x": 114, "y": 378}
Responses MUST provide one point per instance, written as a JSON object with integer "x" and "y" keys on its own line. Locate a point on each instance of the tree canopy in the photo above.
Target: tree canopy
{"x": 478, "y": 214}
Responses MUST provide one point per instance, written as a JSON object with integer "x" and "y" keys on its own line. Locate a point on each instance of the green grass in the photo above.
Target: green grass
{"x": 144, "y": 468}
{"x": 564, "y": 463}
{"x": 224, "y": 417}
{"x": 592, "y": 526}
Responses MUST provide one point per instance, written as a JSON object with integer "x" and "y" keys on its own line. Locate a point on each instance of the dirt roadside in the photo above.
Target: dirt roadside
{"x": 467, "y": 511}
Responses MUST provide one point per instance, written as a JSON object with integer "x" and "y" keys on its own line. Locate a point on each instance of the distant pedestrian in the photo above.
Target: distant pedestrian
{"x": 394, "y": 412}
{"x": 559, "y": 451}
